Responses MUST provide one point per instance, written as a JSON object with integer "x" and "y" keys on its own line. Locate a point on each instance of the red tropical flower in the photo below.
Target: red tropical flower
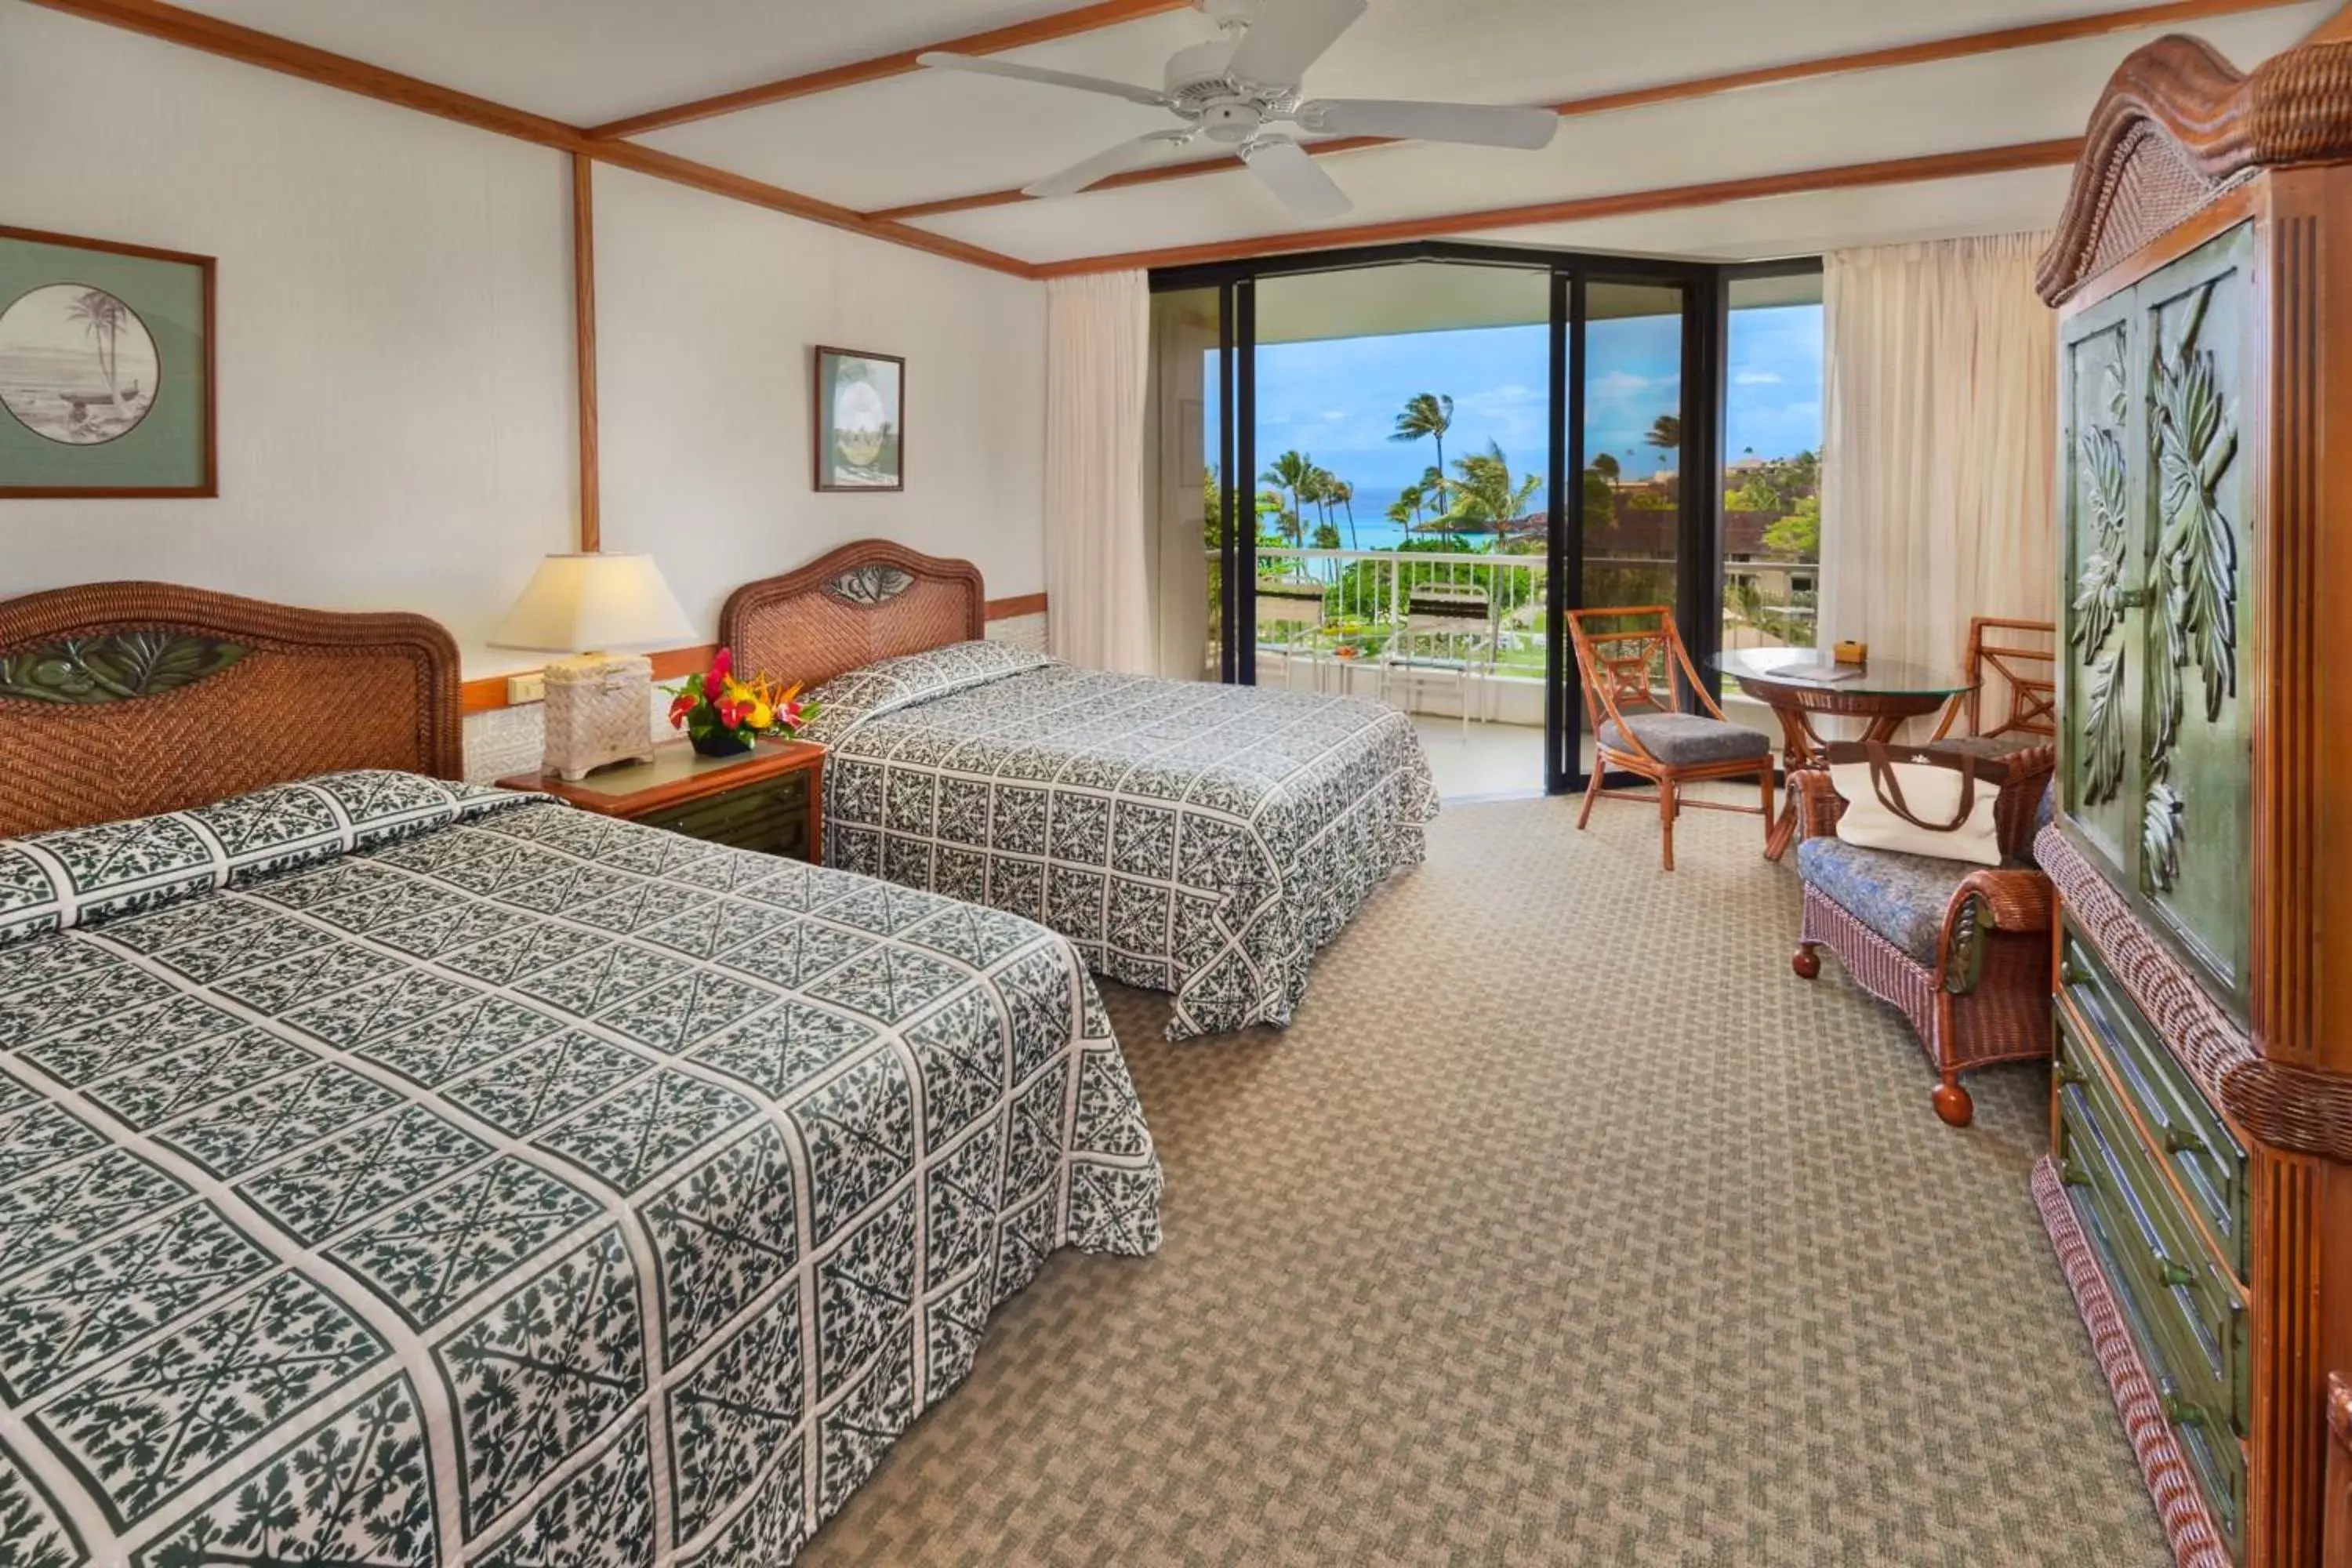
{"x": 721, "y": 665}
{"x": 683, "y": 705}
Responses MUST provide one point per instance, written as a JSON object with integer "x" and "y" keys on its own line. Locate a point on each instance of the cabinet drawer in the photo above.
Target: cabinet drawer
{"x": 772, "y": 817}
{"x": 2183, "y": 1307}
{"x": 2194, "y": 1142}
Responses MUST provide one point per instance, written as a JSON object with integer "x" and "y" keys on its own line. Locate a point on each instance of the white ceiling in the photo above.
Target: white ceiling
{"x": 931, "y": 135}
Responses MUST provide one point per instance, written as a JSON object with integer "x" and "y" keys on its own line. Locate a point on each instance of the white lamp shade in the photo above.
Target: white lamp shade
{"x": 582, "y": 604}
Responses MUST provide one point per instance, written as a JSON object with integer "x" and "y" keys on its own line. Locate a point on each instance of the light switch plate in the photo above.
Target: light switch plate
{"x": 522, "y": 688}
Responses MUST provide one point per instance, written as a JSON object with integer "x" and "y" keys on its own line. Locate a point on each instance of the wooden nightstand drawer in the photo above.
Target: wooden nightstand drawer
{"x": 772, "y": 818}
{"x": 770, "y": 799}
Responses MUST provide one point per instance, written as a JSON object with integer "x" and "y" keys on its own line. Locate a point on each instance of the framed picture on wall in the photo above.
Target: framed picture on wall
{"x": 860, "y": 437}
{"x": 106, "y": 369}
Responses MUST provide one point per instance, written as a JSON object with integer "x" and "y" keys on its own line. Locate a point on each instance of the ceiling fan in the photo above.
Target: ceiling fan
{"x": 1235, "y": 88}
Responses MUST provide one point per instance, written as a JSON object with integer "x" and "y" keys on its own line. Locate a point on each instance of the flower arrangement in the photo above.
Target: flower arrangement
{"x": 722, "y": 713}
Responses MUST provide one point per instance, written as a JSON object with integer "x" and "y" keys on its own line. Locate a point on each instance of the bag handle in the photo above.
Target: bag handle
{"x": 1889, "y": 787}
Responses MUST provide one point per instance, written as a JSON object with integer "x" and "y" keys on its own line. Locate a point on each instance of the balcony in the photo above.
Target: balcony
{"x": 1423, "y": 630}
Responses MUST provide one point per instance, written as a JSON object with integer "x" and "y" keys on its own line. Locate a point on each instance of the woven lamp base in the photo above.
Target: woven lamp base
{"x": 599, "y": 711}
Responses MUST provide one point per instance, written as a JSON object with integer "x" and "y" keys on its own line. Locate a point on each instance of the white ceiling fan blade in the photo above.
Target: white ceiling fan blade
{"x": 1104, "y": 164}
{"x": 1291, "y": 175}
{"x": 1477, "y": 124}
{"x": 940, "y": 60}
{"x": 1285, "y": 36}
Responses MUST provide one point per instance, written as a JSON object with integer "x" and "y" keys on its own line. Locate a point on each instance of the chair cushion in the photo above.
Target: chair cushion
{"x": 1901, "y": 896}
{"x": 1686, "y": 739}
{"x": 1993, "y": 745}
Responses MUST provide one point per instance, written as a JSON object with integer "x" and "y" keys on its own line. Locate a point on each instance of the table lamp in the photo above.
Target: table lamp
{"x": 599, "y": 702}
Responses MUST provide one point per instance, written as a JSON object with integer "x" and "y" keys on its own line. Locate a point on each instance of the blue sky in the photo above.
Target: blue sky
{"x": 1337, "y": 400}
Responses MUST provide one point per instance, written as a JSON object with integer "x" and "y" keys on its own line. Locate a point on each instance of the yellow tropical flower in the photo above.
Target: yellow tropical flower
{"x": 762, "y": 716}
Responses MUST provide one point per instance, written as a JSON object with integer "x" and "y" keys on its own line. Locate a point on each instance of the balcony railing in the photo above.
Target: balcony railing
{"x": 1349, "y": 604}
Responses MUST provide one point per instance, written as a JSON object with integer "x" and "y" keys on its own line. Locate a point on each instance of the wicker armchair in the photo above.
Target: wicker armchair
{"x": 1963, "y": 949}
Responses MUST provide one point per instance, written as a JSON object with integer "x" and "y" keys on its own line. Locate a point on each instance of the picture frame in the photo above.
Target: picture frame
{"x": 108, "y": 382}
{"x": 857, "y": 425}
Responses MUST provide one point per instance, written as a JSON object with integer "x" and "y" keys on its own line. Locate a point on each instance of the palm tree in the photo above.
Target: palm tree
{"x": 1487, "y": 496}
{"x": 1666, "y": 433}
{"x": 100, "y": 314}
{"x": 1325, "y": 497}
{"x": 1410, "y": 499}
{"x": 1293, "y": 471}
{"x": 1344, "y": 493}
{"x": 1427, "y": 413}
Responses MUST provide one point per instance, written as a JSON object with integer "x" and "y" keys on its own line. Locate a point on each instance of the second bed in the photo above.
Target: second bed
{"x": 1200, "y": 839}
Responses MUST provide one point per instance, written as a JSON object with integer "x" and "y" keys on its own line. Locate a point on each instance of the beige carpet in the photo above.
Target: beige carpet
{"x": 1565, "y": 1226}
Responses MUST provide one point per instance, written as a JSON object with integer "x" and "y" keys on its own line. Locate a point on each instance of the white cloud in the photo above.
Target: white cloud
{"x": 1756, "y": 378}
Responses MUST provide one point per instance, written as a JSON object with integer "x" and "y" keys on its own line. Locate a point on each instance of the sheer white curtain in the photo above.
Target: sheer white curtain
{"x": 1940, "y": 442}
{"x": 1097, "y": 548}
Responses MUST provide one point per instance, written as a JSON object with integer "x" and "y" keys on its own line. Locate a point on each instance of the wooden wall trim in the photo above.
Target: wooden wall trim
{"x": 1712, "y": 193}
{"x": 1957, "y": 47}
{"x": 1019, "y": 605}
{"x": 486, "y": 694}
{"x": 583, "y": 311}
{"x": 209, "y": 35}
{"x": 1038, "y": 30}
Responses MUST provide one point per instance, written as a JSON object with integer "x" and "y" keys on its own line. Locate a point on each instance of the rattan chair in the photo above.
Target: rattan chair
{"x": 1963, "y": 949}
{"x": 2019, "y": 659}
{"x": 1636, "y": 730}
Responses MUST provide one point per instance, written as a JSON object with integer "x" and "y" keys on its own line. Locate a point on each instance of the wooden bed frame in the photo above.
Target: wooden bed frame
{"x": 850, "y": 606}
{"x": 123, "y": 699}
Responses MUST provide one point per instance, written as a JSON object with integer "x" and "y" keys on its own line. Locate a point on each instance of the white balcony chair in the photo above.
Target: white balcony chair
{"x": 1460, "y": 623}
{"x": 1296, "y": 610}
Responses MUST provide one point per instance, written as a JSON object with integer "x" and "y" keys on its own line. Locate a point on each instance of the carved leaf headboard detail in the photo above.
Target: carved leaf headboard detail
{"x": 850, "y": 606}
{"x": 126, "y": 699}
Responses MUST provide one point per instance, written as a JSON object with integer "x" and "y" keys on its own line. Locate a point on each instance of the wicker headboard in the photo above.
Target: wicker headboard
{"x": 850, "y": 606}
{"x": 127, "y": 698}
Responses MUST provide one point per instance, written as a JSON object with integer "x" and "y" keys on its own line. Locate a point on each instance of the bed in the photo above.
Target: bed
{"x": 395, "y": 1170}
{"x": 1199, "y": 840}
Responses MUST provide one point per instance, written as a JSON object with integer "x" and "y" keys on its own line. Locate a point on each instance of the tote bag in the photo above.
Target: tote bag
{"x": 1918, "y": 799}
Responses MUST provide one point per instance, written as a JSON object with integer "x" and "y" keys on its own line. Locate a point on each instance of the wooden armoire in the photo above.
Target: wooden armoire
{"x": 2200, "y": 1186}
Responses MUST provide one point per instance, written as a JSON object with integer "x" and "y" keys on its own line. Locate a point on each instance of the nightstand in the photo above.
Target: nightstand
{"x": 772, "y": 798}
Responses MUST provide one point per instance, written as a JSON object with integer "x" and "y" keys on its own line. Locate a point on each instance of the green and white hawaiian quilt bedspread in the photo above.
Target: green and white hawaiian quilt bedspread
{"x": 396, "y": 1172}
{"x": 1205, "y": 841}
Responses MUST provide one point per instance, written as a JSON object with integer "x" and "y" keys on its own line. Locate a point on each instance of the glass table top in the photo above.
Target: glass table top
{"x": 1811, "y": 670}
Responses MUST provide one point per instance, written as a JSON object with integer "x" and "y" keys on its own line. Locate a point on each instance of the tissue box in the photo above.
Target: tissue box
{"x": 599, "y": 711}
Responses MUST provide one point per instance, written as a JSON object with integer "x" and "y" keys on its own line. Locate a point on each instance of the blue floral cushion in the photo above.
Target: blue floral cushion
{"x": 1686, "y": 739}
{"x": 1901, "y": 896}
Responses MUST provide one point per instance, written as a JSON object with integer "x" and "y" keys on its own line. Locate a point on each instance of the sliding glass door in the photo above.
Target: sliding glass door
{"x": 1638, "y": 431}
{"x": 1355, "y": 479}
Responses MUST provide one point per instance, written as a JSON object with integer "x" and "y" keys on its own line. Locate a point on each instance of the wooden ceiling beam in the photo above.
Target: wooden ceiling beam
{"x": 1039, "y": 30}
{"x": 1958, "y": 47}
{"x": 210, "y": 35}
{"x": 1713, "y": 192}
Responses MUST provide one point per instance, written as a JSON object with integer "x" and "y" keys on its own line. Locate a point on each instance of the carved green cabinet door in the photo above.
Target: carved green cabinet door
{"x": 2196, "y": 524}
{"x": 2102, "y": 444}
{"x": 2157, "y": 512}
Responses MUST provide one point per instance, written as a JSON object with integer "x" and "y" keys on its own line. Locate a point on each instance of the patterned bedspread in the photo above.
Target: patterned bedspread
{"x": 1201, "y": 839}
{"x": 394, "y": 1172}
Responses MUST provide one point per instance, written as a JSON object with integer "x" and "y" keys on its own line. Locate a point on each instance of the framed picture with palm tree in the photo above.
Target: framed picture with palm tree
{"x": 106, "y": 370}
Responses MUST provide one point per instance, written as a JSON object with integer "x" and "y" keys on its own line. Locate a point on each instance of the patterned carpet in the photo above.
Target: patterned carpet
{"x": 1565, "y": 1226}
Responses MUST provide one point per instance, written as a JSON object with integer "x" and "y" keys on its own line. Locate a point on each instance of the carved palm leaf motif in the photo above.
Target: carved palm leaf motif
{"x": 2161, "y": 833}
{"x": 2193, "y": 572}
{"x": 2099, "y": 597}
{"x": 872, "y": 585}
{"x": 2194, "y": 448}
{"x": 117, "y": 668}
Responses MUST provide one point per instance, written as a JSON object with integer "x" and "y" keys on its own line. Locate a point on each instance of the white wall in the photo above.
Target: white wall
{"x": 396, "y": 351}
{"x": 706, "y": 312}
